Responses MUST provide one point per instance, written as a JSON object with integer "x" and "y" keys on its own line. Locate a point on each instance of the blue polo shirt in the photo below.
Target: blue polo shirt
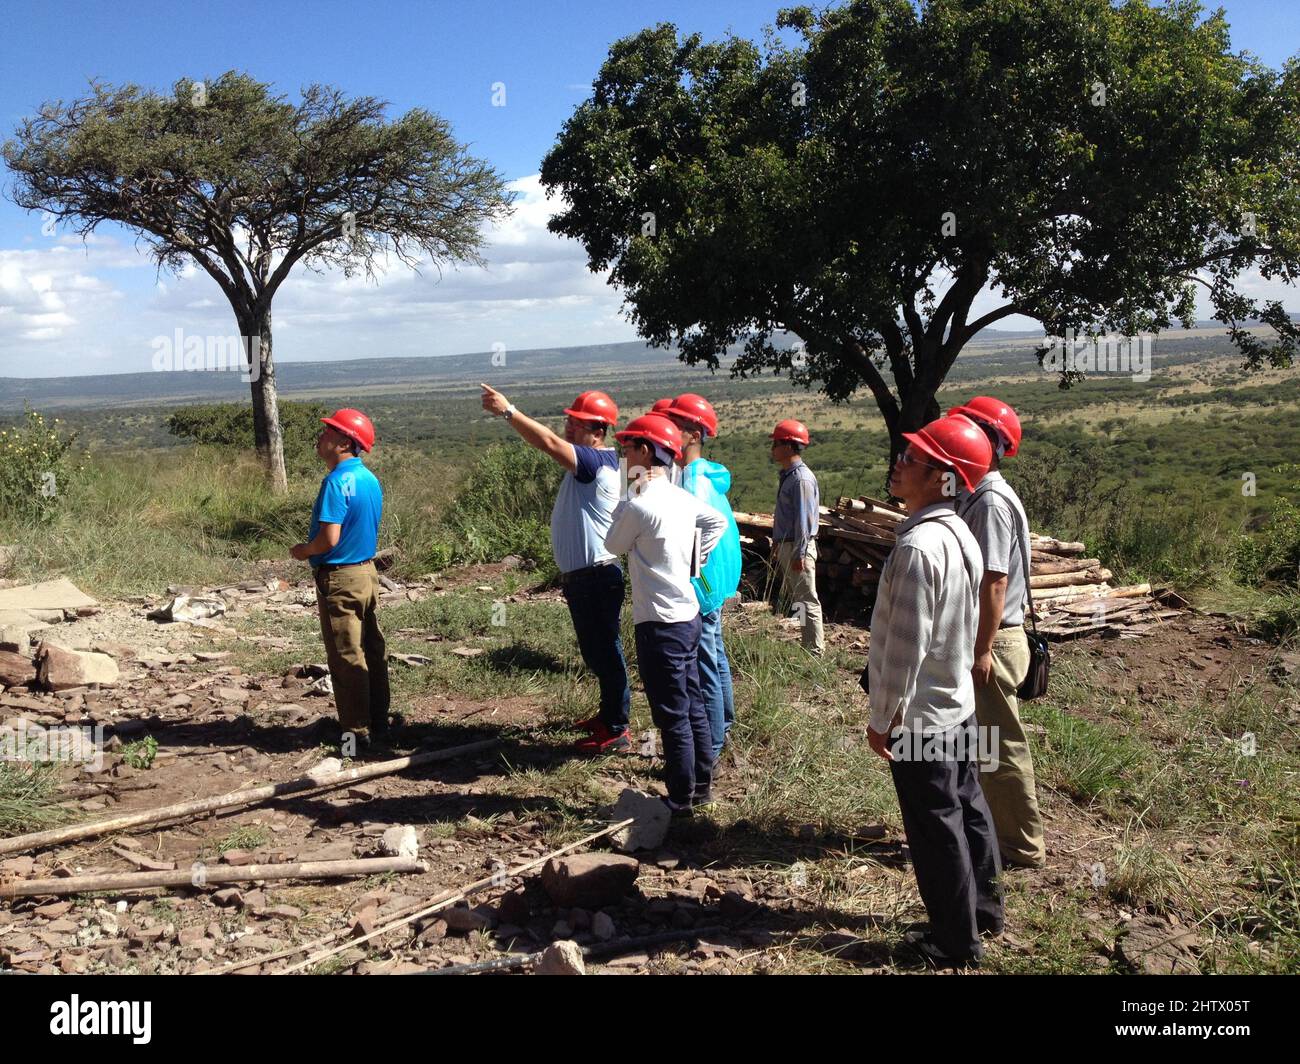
{"x": 584, "y": 507}
{"x": 349, "y": 496}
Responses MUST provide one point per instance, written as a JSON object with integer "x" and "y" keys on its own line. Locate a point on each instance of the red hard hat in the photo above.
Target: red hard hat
{"x": 661, "y": 406}
{"x": 694, "y": 408}
{"x": 354, "y": 425}
{"x": 957, "y": 441}
{"x": 789, "y": 429}
{"x": 985, "y": 410}
{"x": 657, "y": 429}
{"x": 594, "y": 406}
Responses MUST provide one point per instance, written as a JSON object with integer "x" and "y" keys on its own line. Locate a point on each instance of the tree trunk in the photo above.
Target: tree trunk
{"x": 266, "y": 409}
{"x": 919, "y": 407}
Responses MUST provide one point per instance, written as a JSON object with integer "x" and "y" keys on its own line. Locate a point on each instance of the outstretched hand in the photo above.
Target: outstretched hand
{"x": 493, "y": 401}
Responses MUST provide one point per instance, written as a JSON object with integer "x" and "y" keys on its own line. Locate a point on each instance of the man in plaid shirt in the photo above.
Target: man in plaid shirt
{"x": 922, "y": 693}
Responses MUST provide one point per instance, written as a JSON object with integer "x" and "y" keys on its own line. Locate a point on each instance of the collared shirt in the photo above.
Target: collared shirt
{"x": 923, "y": 625}
{"x": 350, "y": 497}
{"x": 797, "y": 508}
{"x": 997, "y": 520}
{"x": 655, "y": 527}
{"x": 584, "y": 507}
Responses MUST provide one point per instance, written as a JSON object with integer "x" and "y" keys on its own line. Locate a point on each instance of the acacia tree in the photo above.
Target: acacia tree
{"x": 860, "y": 189}
{"x": 247, "y": 185}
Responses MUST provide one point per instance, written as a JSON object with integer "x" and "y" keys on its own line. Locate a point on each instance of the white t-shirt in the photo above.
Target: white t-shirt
{"x": 655, "y": 527}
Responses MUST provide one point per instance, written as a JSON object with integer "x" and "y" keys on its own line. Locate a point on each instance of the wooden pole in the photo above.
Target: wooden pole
{"x": 201, "y": 876}
{"x": 447, "y": 898}
{"x": 235, "y": 799}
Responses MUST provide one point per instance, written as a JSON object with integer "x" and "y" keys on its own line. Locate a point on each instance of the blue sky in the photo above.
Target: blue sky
{"x": 66, "y": 308}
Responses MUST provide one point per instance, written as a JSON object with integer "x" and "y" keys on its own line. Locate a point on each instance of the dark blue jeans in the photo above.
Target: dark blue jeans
{"x": 595, "y": 599}
{"x": 667, "y": 658}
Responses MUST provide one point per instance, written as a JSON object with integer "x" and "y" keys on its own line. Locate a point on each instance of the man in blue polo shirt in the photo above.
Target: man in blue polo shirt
{"x": 341, "y": 548}
{"x": 590, "y": 575}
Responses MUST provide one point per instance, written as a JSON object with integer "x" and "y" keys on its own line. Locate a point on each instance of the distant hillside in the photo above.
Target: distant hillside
{"x": 396, "y": 375}
{"x": 592, "y": 364}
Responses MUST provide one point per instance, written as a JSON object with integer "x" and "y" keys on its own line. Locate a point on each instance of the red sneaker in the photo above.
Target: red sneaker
{"x": 604, "y": 741}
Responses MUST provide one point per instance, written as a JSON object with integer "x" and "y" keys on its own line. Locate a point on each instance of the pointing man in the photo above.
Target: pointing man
{"x": 591, "y": 578}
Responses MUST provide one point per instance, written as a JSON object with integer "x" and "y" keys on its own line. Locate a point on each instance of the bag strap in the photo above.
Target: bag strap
{"x": 1024, "y": 544}
{"x": 939, "y": 517}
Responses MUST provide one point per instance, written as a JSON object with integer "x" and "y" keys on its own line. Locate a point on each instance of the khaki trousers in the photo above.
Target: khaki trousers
{"x": 347, "y": 600}
{"x": 1009, "y": 789}
{"x": 799, "y": 590}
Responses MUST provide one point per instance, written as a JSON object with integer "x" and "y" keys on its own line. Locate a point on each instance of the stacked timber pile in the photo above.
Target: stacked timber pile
{"x": 1073, "y": 594}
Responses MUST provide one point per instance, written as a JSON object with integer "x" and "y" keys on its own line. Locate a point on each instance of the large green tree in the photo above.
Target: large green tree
{"x": 247, "y": 185}
{"x": 861, "y": 186}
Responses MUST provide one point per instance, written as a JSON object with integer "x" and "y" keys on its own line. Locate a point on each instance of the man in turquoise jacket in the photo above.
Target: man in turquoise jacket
{"x": 720, "y": 577}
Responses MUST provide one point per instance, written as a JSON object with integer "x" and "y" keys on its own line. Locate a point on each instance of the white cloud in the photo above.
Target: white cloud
{"x": 69, "y": 306}
{"x": 63, "y": 312}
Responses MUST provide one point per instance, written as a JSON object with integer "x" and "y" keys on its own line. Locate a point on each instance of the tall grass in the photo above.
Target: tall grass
{"x": 203, "y": 515}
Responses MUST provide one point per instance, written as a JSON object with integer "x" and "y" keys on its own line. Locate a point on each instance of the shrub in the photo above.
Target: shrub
{"x": 37, "y": 468}
{"x": 1150, "y": 536}
{"x": 504, "y": 507}
{"x": 1272, "y": 555}
{"x": 1057, "y": 484}
{"x": 231, "y": 425}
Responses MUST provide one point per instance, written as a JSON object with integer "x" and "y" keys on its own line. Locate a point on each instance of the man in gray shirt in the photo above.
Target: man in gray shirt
{"x": 794, "y": 531}
{"x": 997, "y": 519}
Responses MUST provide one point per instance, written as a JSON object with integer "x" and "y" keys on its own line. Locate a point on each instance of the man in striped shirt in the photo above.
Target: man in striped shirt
{"x": 922, "y": 694}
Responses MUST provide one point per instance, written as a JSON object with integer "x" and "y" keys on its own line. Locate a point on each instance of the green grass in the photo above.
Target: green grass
{"x": 249, "y": 837}
{"x": 29, "y": 797}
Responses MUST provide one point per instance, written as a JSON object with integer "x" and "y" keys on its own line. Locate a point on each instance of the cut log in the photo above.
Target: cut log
{"x": 857, "y": 537}
{"x": 1132, "y": 591}
{"x": 1056, "y": 546}
{"x": 1052, "y": 564}
{"x": 1088, "y": 576}
{"x": 1053, "y": 594}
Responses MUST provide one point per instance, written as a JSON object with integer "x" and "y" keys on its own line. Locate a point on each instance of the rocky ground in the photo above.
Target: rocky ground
{"x": 220, "y": 726}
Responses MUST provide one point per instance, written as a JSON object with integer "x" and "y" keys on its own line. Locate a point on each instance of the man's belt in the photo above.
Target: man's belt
{"x": 329, "y": 568}
{"x": 577, "y": 574}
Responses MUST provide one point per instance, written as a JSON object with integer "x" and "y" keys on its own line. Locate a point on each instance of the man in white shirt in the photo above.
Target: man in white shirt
{"x": 656, "y": 527}
{"x": 922, "y": 694}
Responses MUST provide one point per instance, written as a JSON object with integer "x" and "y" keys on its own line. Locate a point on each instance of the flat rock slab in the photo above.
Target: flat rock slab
{"x": 1154, "y": 945}
{"x": 62, "y": 669}
{"x": 61, "y": 594}
{"x": 21, "y": 619}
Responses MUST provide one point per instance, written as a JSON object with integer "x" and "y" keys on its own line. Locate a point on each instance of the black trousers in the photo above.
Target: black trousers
{"x": 595, "y": 599}
{"x": 951, "y": 838}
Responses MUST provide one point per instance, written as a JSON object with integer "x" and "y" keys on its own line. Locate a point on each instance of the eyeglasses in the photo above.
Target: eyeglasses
{"x": 907, "y": 458}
